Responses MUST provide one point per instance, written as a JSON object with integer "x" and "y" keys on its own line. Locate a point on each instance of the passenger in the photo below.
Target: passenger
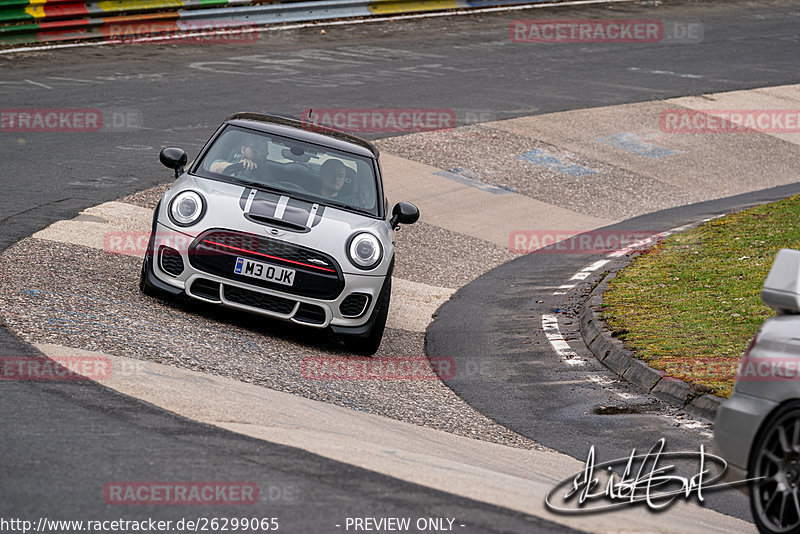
{"x": 332, "y": 175}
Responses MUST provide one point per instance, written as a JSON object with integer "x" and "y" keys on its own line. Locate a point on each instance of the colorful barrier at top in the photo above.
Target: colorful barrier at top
{"x": 42, "y": 21}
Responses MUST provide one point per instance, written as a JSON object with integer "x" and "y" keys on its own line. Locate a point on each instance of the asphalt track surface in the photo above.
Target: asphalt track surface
{"x": 530, "y": 389}
{"x": 71, "y": 439}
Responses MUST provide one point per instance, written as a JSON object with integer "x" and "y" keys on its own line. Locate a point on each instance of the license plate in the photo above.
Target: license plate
{"x": 264, "y": 271}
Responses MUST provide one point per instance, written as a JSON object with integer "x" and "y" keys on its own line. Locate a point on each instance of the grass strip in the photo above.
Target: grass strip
{"x": 690, "y": 305}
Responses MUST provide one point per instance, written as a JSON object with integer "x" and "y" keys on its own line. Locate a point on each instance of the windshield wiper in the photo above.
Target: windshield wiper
{"x": 342, "y": 205}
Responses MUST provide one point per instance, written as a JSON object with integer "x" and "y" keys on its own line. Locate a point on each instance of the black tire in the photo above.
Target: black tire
{"x": 775, "y": 499}
{"x": 369, "y": 344}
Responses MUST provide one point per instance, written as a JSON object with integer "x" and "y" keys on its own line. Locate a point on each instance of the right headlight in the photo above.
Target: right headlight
{"x": 186, "y": 208}
{"x": 365, "y": 251}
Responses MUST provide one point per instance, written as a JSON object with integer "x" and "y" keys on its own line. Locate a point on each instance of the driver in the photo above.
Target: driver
{"x": 246, "y": 159}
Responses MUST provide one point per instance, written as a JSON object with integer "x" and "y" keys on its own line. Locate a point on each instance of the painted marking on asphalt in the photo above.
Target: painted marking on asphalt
{"x": 543, "y": 158}
{"x": 596, "y": 265}
{"x": 462, "y": 178}
{"x": 563, "y": 349}
{"x": 666, "y": 72}
{"x": 558, "y": 342}
{"x": 637, "y": 145}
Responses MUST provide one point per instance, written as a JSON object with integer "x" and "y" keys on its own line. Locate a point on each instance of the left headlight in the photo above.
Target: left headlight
{"x": 186, "y": 208}
{"x": 365, "y": 251}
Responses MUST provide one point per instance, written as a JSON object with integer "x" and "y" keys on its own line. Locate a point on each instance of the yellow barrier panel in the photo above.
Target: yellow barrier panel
{"x": 37, "y": 11}
{"x": 132, "y": 5}
{"x": 387, "y": 8}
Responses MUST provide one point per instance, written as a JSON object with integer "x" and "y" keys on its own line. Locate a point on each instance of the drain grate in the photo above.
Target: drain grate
{"x": 641, "y": 408}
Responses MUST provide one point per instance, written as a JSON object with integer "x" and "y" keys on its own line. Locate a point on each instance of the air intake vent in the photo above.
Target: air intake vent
{"x": 171, "y": 261}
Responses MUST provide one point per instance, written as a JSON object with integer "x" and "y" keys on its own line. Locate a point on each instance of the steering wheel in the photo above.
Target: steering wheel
{"x": 238, "y": 170}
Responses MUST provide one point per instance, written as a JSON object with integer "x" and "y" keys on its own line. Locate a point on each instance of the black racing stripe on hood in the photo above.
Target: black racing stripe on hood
{"x": 264, "y": 204}
{"x": 295, "y": 213}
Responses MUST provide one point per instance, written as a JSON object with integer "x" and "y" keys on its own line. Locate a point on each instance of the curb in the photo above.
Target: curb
{"x": 611, "y": 352}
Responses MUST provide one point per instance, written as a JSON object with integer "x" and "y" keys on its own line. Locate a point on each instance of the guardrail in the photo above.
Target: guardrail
{"x": 42, "y": 21}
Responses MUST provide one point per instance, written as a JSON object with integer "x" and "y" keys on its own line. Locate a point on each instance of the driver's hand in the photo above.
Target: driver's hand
{"x": 248, "y": 164}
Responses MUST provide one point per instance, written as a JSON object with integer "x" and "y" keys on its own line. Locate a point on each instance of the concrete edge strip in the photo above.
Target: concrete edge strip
{"x": 615, "y": 357}
{"x": 516, "y": 479}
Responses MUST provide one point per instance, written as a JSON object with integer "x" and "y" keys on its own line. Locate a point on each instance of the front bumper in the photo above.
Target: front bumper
{"x": 735, "y": 429}
{"x": 211, "y": 287}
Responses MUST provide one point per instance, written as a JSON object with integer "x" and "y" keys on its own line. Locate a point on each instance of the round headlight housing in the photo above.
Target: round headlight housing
{"x": 365, "y": 251}
{"x": 186, "y": 208}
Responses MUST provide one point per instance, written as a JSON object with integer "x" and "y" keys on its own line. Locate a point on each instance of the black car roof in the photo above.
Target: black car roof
{"x": 305, "y": 131}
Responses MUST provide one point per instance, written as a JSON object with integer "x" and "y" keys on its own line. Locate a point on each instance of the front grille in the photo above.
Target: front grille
{"x": 171, "y": 261}
{"x": 317, "y": 275}
{"x": 206, "y": 289}
{"x": 258, "y": 300}
{"x": 269, "y": 246}
{"x": 354, "y": 305}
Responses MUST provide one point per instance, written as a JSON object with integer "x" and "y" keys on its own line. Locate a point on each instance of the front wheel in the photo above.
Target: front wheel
{"x": 368, "y": 344}
{"x": 775, "y": 462}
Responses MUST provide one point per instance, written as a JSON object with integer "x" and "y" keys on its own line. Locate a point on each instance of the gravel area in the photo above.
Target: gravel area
{"x": 84, "y": 298}
{"x": 497, "y": 163}
{"x": 149, "y": 197}
{"x": 432, "y": 255}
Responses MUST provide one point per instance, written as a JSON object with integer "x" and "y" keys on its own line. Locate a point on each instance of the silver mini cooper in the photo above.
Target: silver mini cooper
{"x": 280, "y": 218}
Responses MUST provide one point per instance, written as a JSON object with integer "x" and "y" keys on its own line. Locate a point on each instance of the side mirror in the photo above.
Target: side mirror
{"x": 404, "y": 213}
{"x": 781, "y": 290}
{"x": 174, "y": 158}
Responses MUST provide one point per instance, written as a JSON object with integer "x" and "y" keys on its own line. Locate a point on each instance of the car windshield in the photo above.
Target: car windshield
{"x": 295, "y": 167}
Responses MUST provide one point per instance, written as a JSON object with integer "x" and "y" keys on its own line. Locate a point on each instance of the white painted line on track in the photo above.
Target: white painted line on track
{"x": 558, "y": 342}
{"x": 234, "y": 31}
{"x": 569, "y": 356}
{"x": 596, "y": 265}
